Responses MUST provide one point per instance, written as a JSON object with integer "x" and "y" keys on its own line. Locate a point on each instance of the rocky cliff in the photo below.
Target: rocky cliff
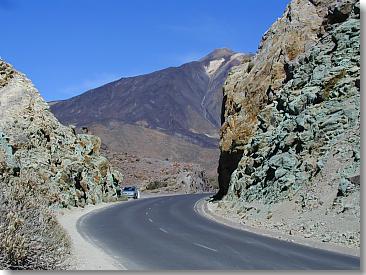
{"x": 69, "y": 164}
{"x": 290, "y": 138}
{"x": 42, "y": 164}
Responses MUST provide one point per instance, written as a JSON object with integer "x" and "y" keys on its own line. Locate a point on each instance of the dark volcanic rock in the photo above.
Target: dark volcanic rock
{"x": 181, "y": 101}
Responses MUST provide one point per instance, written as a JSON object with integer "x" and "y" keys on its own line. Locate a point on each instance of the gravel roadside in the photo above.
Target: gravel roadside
{"x": 211, "y": 211}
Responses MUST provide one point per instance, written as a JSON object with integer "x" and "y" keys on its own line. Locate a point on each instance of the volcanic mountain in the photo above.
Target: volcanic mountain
{"x": 172, "y": 113}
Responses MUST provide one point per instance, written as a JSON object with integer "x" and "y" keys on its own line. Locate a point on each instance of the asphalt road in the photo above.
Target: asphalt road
{"x": 166, "y": 233}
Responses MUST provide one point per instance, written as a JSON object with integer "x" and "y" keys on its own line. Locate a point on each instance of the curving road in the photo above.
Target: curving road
{"x": 166, "y": 233}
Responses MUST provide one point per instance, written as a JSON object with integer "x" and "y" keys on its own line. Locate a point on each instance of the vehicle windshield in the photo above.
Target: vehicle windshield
{"x": 129, "y": 189}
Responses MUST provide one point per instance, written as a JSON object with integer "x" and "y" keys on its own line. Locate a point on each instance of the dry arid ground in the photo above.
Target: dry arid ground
{"x": 230, "y": 218}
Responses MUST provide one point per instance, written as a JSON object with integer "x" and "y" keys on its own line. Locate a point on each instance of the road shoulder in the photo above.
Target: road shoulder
{"x": 208, "y": 210}
{"x": 85, "y": 255}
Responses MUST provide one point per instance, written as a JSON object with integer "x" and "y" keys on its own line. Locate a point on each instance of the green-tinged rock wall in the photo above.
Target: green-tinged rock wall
{"x": 43, "y": 165}
{"x": 303, "y": 146}
{"x": 252, "y": 84}
{"x": 312, "y": 112}
{"x": 68, "y": 165}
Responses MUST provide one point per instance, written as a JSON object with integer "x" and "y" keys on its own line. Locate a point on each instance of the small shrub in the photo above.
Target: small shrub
{"x": 155, "y": 185}
{"x": 123, "y": 198}
{"x": 30, "y": 236}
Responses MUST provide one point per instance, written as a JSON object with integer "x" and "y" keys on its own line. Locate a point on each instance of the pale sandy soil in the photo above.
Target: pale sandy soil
{"x": 213, "y": 212}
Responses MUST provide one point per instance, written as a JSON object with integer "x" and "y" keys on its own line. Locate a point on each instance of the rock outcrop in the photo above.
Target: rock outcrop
{"x": 43, "y": 165}
{"x": 152, "y": 175}
{"x": 193, "y": 181}
{"x": 251, "y": 85}
{"x": 291, "y": 124}
{"x": 68, "y": 165}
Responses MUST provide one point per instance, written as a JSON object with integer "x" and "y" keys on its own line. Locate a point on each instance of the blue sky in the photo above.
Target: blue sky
{"x": 69, "y": 46}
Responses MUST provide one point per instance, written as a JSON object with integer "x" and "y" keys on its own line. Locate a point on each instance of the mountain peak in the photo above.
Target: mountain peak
{"x": 218, "y": 54}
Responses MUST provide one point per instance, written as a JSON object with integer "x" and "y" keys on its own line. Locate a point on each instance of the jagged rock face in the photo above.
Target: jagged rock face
{"x": 313, "y": 110}
{"x": 305, "y": 137}
{"x": 249, "y": 85}
{"x": 252, "y": 85}
{"x": 33, "y": 142}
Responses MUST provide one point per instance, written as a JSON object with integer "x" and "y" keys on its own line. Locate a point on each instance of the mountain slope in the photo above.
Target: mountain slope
{"x": 180, "y": 101}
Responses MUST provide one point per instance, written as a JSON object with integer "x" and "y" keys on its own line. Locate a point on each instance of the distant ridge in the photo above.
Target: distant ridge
{"x": 182, "y": 102}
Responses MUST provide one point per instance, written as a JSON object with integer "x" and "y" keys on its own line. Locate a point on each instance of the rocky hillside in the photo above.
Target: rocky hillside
{"x": 184, "y": 101}
{"x": 152, "y": 175}
{"x": 42, "y": 164}
{"x": 173, "y": 113}
{"x": 69, "y": 163}
{"x": 121, "y": 138}
{"x": 290, "y": 139}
